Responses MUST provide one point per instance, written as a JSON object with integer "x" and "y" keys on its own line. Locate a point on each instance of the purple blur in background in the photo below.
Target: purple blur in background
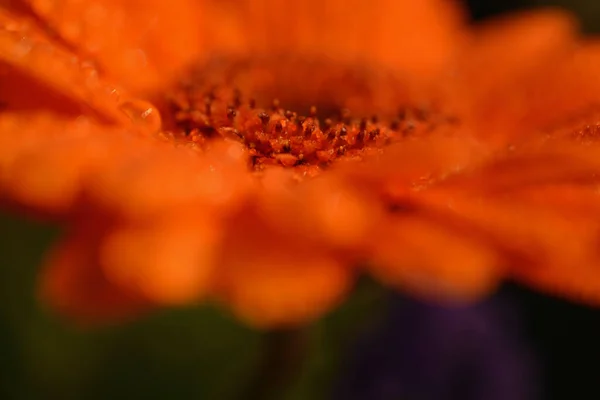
{"x": 427, "y": 352}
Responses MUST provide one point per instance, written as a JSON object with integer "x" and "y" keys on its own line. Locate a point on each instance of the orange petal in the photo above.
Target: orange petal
{"x": 544, "y": 242}
{"x": 518, "y": 43}
{"x": 323, "y": 209}
{"x": 19, "y": 92}
{"x": 552, "y": 161}
{"x": 29, "y": 51}
{"x": 75, "y": 286}
{"x": 272, "y": 278}
{"x": 169, "y": 261}
{"x": 494, "y": 72}
{"x": 565, "y": 89}
{"x": 44, "y": 160}
{"x": 140, "y": 44}
{"x": 581, "y": 201}
{"x": 579, "y": 279}
{"x": 431, "y": 260}
{"x": 416, "y": 163}
{"x": 412, "y": 37}
{"x": 160, "y": 176}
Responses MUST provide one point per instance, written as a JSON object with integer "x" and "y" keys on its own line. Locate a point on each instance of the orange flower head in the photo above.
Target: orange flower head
{"x": 262, "y": 155}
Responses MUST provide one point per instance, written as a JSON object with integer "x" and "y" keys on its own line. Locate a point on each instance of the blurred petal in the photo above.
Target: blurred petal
{"x": 560, "y": 161}
{"x": 19, "y": 92}
{"x": 533, "y": 37}
{"x": 322, "y": 209}
{"x": 169, "y": 261}
{"x": 272, "y": 278}
{"x": 74, "y": 284}
{"x": 422, "y": 257}
{"x": 548, "y": 244}
{"x": 564, "y": 91}
{"x": 143, "y": 44}
{"x": 44, "y": 159}
{"x": 353, "y": 31}
{"x": 162, "y": 176}
{"x": 24, "y": 49}
{"x": 499, "y": 73}
{"x": 417, "y": 162}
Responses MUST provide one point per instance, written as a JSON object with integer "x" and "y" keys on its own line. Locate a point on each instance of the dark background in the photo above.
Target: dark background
{"x": 202, "y": 353}
{"x": 588, "y": 10}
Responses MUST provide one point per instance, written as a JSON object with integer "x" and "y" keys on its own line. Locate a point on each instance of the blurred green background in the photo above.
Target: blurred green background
{"x": 195, "y": 353}
{"x": 202, "y": 353}
{"x": 198, "y": 353}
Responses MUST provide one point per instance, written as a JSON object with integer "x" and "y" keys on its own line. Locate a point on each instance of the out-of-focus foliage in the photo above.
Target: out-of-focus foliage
{"x": 197, "y": 353}
{"x": 180, "y": 353}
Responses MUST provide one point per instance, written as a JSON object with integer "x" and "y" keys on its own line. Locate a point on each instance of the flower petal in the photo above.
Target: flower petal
{"x": 28, "y": 50}
{"x": 417, "y": 163}
{"x": 504, "y": 48}
{"x": 352, "y": 31}
{"x": 323, "y": 209}
{"x": 543, "y": 239}
{"x": 141, "y": 43}
{"x": 535, "y": 163}
{"x": 570, "y": 90}
{"x": 169, "y": 261}
{"x": 45, "y": 161}
{"x": 19, "y": 92}
{"x": 493, "y": 79}
{"x": 160, "y": 176}
{"x": 428, "y": 259}
{"x": 272, "y": 278}
{"x": 74, "y": 285}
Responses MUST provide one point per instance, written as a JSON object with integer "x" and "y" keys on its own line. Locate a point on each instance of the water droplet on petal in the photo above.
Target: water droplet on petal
{"x": 90, "y": 72}
{"x": 142, "y": 114}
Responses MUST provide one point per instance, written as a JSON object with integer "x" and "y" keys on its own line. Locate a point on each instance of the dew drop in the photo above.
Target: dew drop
{"x": 90, "y": 72}
{"x": 142, "y": 114}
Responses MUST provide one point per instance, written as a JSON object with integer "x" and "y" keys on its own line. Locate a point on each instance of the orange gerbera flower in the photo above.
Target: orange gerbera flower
{"x": 262, "y": 150}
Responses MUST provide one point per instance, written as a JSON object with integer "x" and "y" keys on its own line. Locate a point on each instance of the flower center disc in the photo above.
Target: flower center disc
{"x": 296, "y": 112}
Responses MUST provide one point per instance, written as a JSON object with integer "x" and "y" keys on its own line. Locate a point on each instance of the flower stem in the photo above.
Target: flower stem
{"x": 283, "y": 353}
